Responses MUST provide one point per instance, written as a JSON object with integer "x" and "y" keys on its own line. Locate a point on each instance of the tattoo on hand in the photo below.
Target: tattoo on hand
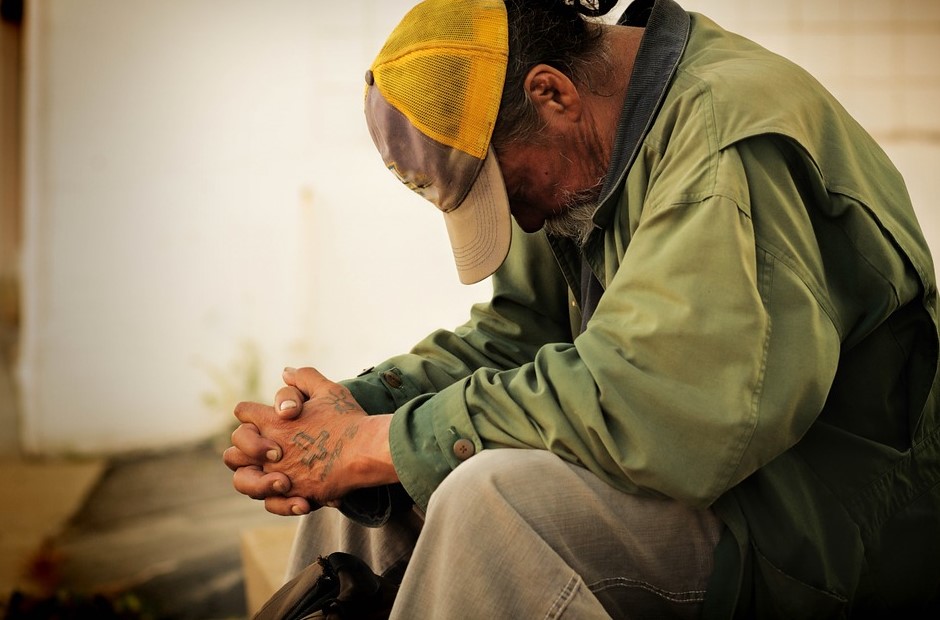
{"x": 349, "y": 433}
{"x": 316, "y": 450}
{"x": 341, "y": 400}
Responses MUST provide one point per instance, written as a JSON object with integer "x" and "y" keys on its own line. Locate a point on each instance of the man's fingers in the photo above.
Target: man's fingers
{"x": 288, "y": 402}
{"x": 289, "y": 506}
{"x": 256, "y": 484}
{"x": 253, "y": 413}
{"x": 235, "y": 458}
{"x": 248, "y": 440}
{"x": 288, "y": 375}
{"x": 307, "y": 380}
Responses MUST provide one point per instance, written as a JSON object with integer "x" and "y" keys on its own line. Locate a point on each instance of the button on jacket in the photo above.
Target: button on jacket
{"x": 766, "y": 342}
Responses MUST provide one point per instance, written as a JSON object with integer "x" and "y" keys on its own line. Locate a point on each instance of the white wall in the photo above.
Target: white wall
{"x": 879, "y": 57}
{"x": 204, "y": 206}
{"x": 203, "y": 203}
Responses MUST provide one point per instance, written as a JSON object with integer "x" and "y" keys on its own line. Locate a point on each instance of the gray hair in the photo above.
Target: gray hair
{"x": 551, "y": 32}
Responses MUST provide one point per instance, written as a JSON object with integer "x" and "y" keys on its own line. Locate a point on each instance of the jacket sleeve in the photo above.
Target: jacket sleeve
{"x": 528, "y": 309}
{"x": 707, "y": 356}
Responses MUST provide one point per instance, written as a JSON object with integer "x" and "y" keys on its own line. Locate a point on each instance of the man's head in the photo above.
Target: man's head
{"x": 475, "y": 105}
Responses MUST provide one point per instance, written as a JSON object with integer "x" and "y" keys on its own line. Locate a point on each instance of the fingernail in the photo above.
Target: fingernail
{"x": 280, "y": 486}
{"x": 288, "y": 404}
{"x": 297, "y": 510}
{"x": 290, "y": 369}
{"x": 273, "y": 455}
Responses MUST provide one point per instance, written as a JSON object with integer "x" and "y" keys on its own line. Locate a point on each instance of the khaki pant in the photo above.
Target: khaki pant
{"x": 522, "y": 534}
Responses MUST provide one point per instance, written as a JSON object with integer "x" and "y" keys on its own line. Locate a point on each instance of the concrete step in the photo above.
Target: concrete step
{"x": 39, "y": 498}
{"x": 264, "y": 552}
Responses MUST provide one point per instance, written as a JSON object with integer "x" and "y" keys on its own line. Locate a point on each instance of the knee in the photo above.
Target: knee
{"x": 498, "y": 473}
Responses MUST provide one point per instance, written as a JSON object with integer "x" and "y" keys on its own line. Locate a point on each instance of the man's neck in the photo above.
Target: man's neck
{"x": 610, "y": 82}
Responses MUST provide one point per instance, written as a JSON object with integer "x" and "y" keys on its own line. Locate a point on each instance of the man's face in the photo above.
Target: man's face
{"x": 533, "y": 183}
{"x": 545, "y": 178}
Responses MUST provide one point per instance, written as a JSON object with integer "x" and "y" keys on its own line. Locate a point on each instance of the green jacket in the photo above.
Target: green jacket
{"x": 766, "y": 343}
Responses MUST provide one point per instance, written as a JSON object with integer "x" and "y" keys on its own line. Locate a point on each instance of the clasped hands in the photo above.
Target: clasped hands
{"x": 315, "y": 445}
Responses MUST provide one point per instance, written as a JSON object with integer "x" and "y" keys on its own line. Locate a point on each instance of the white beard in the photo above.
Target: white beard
{"x": 576, "y": 221}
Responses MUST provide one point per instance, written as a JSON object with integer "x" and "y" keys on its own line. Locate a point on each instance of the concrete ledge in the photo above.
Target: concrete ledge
{"x": 264, "y": 553}
{"x": 39, "y": 497}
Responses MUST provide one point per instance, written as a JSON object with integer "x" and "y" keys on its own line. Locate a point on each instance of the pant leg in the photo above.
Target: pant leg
{"x": 522, "y": 534}
{"x": 385, "y": 549}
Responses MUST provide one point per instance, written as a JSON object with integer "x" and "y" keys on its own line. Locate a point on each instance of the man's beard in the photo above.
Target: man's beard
{"x": 576, "y": 220}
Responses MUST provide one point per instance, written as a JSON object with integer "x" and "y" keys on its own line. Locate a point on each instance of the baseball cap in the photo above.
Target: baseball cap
{"x": 432, "y": 95}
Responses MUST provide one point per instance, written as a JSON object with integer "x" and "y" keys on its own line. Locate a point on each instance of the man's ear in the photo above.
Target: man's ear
{"x": 553, "y": 94}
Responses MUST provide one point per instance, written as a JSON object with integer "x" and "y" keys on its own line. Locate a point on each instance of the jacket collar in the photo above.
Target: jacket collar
{"x": 667, "y": 31}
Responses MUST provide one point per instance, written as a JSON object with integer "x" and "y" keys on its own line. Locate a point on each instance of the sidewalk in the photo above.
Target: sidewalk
{"x": 166, "y": 528}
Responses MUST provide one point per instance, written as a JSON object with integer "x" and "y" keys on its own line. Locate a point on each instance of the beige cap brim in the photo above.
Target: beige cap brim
{"x": 480, "y": 228}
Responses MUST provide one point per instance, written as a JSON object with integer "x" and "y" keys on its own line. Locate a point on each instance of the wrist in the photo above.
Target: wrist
{"x": 373, "y": 464}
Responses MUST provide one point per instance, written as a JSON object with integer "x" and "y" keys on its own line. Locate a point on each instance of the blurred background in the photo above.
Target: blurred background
{"x": 190, "y": 201}
{"x": 189, "y": 198}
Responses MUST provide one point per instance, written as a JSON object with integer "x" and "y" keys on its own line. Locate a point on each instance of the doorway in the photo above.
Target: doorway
{"x": 11, "y": 17}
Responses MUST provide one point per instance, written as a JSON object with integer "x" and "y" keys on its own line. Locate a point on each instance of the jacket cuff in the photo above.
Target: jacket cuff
{"x": 381, "y": 389}
{"x": 378, "y": 390}
{"x": 429, "y": 436}
{"x": 374, "y": 506}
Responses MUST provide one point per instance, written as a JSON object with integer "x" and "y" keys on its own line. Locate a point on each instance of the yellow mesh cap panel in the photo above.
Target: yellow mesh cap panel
{"x": 461, "y": 48}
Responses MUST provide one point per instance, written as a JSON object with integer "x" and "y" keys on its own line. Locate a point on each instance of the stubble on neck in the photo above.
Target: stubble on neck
{"x": 576, "y": 220}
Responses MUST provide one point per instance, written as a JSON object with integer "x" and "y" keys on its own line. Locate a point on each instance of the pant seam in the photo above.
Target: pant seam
{"x": 688, "y": 596}
{"x": 563, "y": 599}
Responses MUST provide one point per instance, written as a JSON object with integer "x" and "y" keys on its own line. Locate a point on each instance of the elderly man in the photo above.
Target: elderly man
{"x": 707, "y": 379}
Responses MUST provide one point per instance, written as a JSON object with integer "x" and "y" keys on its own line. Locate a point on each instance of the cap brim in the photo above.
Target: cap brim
{"x": 480, "y": 227}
